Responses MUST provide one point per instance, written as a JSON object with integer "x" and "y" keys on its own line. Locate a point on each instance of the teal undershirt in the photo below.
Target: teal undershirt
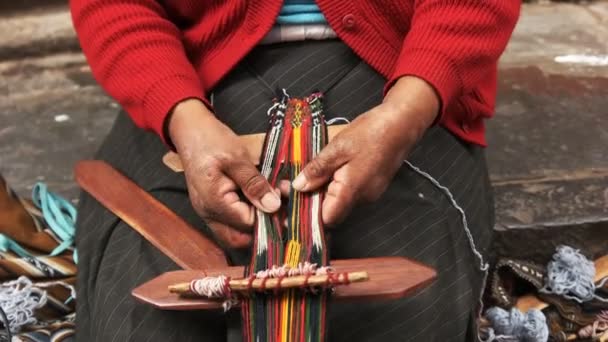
{"x": 300, "y": 12}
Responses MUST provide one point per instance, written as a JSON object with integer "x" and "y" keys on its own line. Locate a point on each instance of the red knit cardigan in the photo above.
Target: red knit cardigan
{"x": 151, "y": 54}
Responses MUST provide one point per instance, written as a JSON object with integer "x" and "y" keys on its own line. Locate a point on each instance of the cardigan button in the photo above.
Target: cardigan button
{"x": 349, "y": 21}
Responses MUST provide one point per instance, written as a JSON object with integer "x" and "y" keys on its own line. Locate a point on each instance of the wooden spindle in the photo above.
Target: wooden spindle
{"x": 241, "y": 285}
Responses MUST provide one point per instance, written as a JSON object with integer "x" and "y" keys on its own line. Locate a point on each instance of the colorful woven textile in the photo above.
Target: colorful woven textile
{"x": 37, "y": 269}
{"x": 296, "y": 135}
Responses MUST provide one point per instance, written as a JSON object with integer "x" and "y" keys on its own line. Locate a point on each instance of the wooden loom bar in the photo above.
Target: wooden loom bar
{"x": 186, "y": 246}
{"x": 284, "y": 283}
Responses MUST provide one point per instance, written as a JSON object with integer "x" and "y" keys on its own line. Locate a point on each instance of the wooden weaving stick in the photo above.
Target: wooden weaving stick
{"x": 269, "y": 284}
{"x": 253, "y": 142}
{"x": 528, "y": 302}
{"x": 389, "y": 277}
{"x": 160, "y": 226}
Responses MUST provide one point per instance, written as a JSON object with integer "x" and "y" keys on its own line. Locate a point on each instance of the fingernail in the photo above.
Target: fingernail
{"x": 271, "y": 201}
{"x": 300, "y": 182}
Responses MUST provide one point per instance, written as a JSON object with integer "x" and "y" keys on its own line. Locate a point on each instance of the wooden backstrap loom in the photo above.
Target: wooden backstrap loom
{"x": 283, "y": 292}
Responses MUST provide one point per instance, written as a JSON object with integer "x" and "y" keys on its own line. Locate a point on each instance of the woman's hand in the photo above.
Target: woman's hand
{"x": 360, "y": 162}
{"x": 216, "y": 166}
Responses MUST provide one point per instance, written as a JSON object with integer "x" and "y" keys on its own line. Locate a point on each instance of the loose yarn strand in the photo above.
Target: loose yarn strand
{"x": 483, "y": 265}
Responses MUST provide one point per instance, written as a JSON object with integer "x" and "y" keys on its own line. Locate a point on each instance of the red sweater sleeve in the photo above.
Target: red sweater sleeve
{"x": 454, "y": 44}
{"x": 136, "y": 55}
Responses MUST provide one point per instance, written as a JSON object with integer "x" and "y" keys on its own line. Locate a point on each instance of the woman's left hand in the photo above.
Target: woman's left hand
{"x": 360, "y": 162}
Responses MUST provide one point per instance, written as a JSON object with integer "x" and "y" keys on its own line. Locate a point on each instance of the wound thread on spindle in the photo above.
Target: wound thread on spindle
{"x": 211, "y": 287}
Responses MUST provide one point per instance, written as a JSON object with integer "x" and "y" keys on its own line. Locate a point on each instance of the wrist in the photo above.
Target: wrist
{"x": 187, "y": 121}
{"x": 414, "y": 102}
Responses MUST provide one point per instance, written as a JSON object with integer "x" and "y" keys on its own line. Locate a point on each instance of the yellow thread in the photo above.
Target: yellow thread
{"x": 293, "y": 253}
{"x": 285, "y": 309}
{"x": 297, "y": 149}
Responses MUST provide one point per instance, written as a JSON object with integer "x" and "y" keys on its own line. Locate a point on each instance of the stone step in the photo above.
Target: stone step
{"x": 547, "y": 154}
{"x": 37, "y": 31}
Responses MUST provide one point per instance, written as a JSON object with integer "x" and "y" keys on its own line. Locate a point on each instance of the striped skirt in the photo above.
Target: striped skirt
{"x": 413, "y": 218}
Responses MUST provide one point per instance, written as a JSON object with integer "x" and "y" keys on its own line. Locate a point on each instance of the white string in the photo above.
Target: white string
{"x": 214, "y": 287}
{"x": 483, "y": 266}
{"x": 337, "y": 119}
{"x": 210, "y": 287}
{"x": 305, "y": 268}
{"x": 19, "y": 299}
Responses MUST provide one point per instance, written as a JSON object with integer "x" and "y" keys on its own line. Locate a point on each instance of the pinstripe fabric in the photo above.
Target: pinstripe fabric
{"x": 412, "y": 218}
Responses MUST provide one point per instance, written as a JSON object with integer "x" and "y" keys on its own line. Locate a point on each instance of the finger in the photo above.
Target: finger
{"x": 229, "y": 237}
{"x": 320, "y": 170}
{"x": 222, "y": 204}
{"x": 338, "y": 202}
{"x": 253, "y": 185}
{"x": 285, "y": 187}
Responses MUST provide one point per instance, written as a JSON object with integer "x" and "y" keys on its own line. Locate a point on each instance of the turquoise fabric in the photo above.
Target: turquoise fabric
{"x": 59, "y": 214}
{"x": 300, "y": 12}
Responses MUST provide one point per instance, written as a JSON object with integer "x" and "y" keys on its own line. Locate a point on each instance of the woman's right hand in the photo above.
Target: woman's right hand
{"x": 217, "y": 166}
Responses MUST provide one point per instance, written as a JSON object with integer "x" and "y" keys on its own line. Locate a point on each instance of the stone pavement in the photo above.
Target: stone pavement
{"x": 548, "y": 158}
{"x": 547, "y": 153}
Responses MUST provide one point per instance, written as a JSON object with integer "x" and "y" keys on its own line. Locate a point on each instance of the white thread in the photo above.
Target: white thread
{"x": 274, "y": 272}
{"x": 337, "y": 119}
{"x": 275, "y": 105}
{"x": 305, "y": 268}
{"x": 317, "y": 239}
{"x": 19, "y": 299}
{"x": 210, "y": 287}
{"x": 483, "y": 266}
{"x": 214, "y": 287}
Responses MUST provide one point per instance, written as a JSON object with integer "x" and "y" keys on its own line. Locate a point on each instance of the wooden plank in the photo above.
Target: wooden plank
{"x": 160, "y": 226}
{"x": 389, "y": 278}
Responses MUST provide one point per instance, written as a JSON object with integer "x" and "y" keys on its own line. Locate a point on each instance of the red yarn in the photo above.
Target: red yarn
{"x": 250, "y": 283}
{"x": 227, "y": 290}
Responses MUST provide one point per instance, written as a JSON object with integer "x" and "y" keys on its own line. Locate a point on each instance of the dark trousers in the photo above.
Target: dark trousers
{"x": 413, "y": 218}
